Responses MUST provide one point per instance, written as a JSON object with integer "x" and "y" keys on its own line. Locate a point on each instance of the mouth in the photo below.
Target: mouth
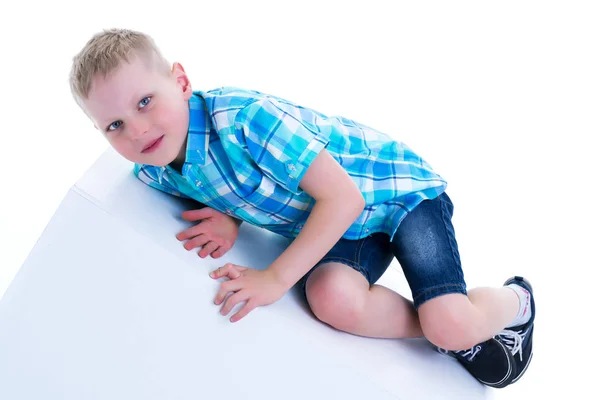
{"x": 153, "y": 145}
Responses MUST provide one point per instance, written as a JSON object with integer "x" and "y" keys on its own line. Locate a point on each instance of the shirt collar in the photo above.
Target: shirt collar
{"x": 198, "y": 131}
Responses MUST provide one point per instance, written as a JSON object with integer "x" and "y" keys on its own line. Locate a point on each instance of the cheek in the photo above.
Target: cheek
{"x": 122, "y": 146}
{"x": 170, "y": 120}
{"x": 158, "y": 118}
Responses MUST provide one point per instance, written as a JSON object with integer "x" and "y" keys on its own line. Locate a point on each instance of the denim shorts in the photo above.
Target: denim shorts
{"x": 424, "y": 244}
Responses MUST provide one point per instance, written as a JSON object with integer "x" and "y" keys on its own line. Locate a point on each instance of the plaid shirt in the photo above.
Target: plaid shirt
{"x": 248, "y": 151}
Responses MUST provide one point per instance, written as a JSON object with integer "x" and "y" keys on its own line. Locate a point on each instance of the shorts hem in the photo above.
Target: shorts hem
{"x": 344, "y": 261}
{"x": 436, "y": 291}
{"x": 327, "y": 260}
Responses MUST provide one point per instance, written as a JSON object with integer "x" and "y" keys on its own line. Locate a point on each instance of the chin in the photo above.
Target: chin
{"x": 161, "y": 158}
{"x": 154, "y": 161}
{"x": 160, "y": 163}
{"x": 158, "y": 159}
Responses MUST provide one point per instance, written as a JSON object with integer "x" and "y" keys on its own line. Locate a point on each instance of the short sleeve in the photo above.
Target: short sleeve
{"x": 280, "y": 140}
{"x": 153, "y": 177}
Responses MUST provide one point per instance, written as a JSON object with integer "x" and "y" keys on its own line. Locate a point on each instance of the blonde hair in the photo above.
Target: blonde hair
{"x": 105, "y": 52}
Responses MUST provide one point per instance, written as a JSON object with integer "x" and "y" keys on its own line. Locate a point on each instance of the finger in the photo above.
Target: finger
{"x": 225, "y": 289}
{"x": 229, "y": 270}
{"x": 220, "y": 251}
{"x": 232, "y": 301}
{"x": 190, "y": 232}
{"x": 197, "y": 241}
{"x": 249, "y": 306}
{"x": 208, "y": 249}
{"x": 201, "y": 213}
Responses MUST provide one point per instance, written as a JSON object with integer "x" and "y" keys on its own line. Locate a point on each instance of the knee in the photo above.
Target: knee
{"x": 449, "y": 326}
{"x": 333, "y": 300}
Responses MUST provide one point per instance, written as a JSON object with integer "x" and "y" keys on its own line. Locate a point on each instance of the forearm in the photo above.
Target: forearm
{"x": 326, "y": 224}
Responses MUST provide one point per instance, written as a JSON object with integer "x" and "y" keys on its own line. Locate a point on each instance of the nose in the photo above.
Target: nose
{"x": 138, "y": 128}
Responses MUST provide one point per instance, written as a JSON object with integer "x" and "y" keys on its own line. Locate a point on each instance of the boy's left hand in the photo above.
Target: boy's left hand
{"x": 257, "y": 288}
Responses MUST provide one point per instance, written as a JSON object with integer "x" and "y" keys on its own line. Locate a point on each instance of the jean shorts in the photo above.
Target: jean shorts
{"x": 424, "y": 244}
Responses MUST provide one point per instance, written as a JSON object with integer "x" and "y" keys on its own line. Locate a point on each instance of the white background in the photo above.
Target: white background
{"x": 501, "y": 99}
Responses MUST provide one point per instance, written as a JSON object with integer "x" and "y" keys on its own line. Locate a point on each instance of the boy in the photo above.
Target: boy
{"x": 349, "y": 197}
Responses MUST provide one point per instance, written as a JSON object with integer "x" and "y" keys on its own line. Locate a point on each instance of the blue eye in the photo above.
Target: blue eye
{"x": 144, "y": 102}
{"x": 114, "y": 125}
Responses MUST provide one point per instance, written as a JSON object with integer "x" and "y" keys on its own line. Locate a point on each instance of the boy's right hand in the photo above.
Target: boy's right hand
{"x": 216, "y": 233}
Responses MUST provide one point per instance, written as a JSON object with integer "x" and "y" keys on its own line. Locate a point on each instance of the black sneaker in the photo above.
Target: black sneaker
{"x": 490, "y": 362}
{"x": 519, "y": 339}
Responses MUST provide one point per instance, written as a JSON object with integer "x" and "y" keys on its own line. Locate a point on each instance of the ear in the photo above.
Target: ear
{"x": 182, "y": 80}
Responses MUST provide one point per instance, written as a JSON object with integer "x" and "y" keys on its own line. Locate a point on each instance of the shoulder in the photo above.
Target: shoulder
{"x": 229, "y": 98}
{"x": 232, "y": 97}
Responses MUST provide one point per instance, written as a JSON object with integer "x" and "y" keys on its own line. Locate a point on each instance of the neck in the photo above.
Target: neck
{"x": 178, "y": 162}
{"x": 177, "y": 165}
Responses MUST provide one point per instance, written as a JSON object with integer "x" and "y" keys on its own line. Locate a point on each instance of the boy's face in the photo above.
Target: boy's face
{"x": 143, "y": 112}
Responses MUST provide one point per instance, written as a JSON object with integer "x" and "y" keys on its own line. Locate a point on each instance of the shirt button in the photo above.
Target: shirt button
{"x": 198, "y": 184}
{"x": 367, "y": 230}
{"x": 291, "y": 167}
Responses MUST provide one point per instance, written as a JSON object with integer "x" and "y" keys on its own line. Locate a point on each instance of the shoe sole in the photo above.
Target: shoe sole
{"x": 530, "y": 289}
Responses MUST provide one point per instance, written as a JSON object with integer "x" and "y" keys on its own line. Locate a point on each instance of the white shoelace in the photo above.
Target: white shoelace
{"x": 468, "y": 354}
{"x": 513, "y": 340}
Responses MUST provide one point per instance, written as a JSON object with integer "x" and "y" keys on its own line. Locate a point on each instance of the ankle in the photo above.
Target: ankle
{"x": 524, "y": 312}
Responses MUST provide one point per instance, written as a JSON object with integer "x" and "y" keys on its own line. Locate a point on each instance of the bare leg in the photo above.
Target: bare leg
{"x": 499, "y": 307}
{"x": 341, "y": 297}
{"x": 458, "y": 322}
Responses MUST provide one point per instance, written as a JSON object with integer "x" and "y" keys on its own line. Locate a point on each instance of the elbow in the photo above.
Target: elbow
{"x": 358, "y": 204}
{"x": 361, "y": 203}
{"x": 348, "y": 202}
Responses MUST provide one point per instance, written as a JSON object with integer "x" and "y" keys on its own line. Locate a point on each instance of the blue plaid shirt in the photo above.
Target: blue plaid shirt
{"x": 248, "y": 151}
